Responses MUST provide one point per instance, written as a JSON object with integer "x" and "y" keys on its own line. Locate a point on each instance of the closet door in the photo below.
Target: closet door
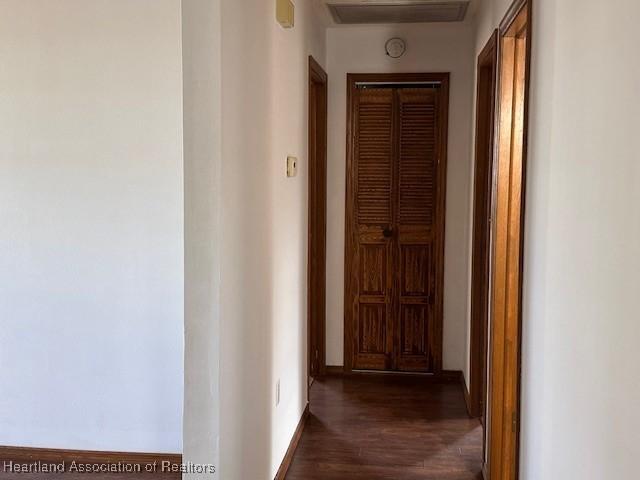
{"x": 417, "y": 229}
{"x": 373, "y": 214}
{"x": 395, "y": 228}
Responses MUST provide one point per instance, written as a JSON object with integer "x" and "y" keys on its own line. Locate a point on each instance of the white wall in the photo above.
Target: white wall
{"x": 289, "y": 131}
{"x": 91, "y": 289}
{"x": 263, "y": 250}
{"x": 582, "y": 256}
{"x": 430, "y": 48}
{"x": 201, "y": 49}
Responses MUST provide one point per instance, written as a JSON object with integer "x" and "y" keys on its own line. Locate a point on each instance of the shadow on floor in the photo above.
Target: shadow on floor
{"x": 382, "y": 427}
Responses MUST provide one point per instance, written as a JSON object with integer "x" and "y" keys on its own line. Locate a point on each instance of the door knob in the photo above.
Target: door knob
{"x": 387, "y": 232}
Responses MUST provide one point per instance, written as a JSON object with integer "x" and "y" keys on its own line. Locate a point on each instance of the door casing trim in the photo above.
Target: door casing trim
{"x": 316, "y": 330}
{"x": 481, "y": 253}
{"x": 507, "y": 264}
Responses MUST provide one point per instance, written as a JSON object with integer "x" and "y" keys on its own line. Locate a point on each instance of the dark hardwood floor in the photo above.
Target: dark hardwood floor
{"x": 375, "y": 427}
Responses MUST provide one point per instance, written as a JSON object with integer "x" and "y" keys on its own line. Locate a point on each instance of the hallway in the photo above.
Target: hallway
{"x": 377, "y": 427}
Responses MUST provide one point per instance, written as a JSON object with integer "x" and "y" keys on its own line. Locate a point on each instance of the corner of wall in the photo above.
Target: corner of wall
{"x": 202, "y": 109}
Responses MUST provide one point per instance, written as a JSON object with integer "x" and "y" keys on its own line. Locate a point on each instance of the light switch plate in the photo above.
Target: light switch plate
{"x": 292, "y": 166}
{"x": 285, "y": 13}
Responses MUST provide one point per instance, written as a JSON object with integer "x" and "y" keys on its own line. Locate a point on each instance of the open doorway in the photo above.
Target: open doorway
{"x": 379, "y": 421}
{"x": 317, "y": 208}
{"x": 484, "y": 148}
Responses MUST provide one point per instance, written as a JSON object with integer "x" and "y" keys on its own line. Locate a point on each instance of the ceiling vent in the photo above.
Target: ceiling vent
{"x": 417, "y": 11}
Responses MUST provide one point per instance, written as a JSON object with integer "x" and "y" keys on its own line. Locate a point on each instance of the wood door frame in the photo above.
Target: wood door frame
{"x": 317, "y": 202}
{"x": 486, "y": 98}
{"x": 350, "y": 277}
{"x": 505, "y": 337}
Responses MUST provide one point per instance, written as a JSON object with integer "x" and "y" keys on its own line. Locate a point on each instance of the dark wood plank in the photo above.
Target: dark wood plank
{"x": 393, "y": 427}
{"x": 335, "y": 370}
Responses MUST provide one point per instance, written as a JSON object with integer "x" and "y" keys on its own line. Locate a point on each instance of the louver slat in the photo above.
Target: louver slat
{"x": 418, "y": 158}
{"x": 374, "y": 150}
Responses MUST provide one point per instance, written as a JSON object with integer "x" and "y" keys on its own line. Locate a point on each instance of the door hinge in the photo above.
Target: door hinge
{"x": 514, "y": 422}
{"x": 317, "y": 354}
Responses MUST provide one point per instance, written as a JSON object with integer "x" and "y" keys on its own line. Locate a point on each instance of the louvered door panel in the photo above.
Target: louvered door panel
{"x": 374, "y": 157}
{"x": 374, "y": 212}
{"x": 416, "y": 193}
{"x": 418, "y": 139}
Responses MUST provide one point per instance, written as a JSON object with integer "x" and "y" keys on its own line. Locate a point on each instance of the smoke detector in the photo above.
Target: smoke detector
{"x": 400, "y": 11}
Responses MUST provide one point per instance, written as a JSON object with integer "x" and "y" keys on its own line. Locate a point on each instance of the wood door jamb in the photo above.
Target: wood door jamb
{"x": 316, "y": 332}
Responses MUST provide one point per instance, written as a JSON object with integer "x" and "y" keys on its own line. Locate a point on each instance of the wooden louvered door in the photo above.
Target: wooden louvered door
{"x": 416, "y": 232}
{"x": 373, "y": 202}
{"x": 394, "y": 227}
